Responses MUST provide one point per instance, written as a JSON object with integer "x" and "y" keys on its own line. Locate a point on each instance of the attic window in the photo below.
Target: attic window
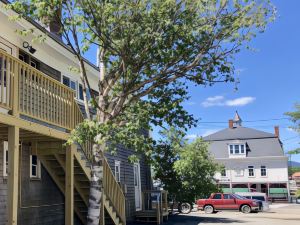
{"x": 237, "y": 149}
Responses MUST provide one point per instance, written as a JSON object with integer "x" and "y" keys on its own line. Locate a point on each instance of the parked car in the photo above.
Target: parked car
{"x": 227, "y": 201}
{"x": 260, "y": 197}
{"x": 183, "y": 207}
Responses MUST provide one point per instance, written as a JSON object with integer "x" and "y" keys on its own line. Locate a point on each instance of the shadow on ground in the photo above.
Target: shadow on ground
{"x": 179, "y": 219}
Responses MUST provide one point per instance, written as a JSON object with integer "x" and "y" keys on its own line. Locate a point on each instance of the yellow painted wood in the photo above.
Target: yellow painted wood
{"x": 69, "y": 193}
{"x": 13, "y": 174}
{"x": 34, "y": 127}
{"x": 34, "y": 94}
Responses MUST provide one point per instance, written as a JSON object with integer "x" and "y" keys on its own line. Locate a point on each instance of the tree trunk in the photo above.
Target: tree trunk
{"x": 96, "y": 188}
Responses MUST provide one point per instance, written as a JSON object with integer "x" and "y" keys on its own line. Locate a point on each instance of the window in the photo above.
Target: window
{"x": 35, "y": 168}
{"x": 117, "y": 171}
{"x": 263, "y": 171}
{"x": 70, "y": 83}
{"x": 5, "y": 158}
{"x": 237, "y": 149}
{"x": 231, "y": 149}
{"x": 217, "y": 196}
{"x": 88, "y": 94}
{"x": 228, "y": 196}
{"x": 223, "y": 172}
{"x": 251, "y": 171}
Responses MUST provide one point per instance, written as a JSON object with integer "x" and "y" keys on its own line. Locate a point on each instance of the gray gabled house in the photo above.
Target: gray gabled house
{"x": 253, "y": 160}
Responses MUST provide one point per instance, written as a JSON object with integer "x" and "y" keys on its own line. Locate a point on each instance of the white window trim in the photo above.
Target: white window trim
{"x": 118, "y": 164}
{"x": 76, "y": 83}
{"x": 266, "y": 171}
{"x": 253, "y": 171}
{"x": 38, "y": 169}
{"x": 5, "y": 151}
{"x": 239, "y": 144}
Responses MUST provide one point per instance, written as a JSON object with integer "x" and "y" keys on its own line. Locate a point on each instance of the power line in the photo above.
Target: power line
{"x": 248, "y": 121}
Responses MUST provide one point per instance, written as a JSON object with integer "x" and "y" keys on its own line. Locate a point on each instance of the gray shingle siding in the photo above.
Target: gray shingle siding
{"x": 40, "y": 201}
{"x": 127, "y": 177}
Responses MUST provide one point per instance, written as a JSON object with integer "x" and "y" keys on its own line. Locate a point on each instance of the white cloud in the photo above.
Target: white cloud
{"x": 240, "y": 101}
{"x": 191, "y": 136}
{"x": 221, "y": 101}
{"x": 213, "y": 101}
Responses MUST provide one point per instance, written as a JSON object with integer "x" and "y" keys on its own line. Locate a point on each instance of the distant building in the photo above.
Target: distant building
{"x": 253, "y": 160}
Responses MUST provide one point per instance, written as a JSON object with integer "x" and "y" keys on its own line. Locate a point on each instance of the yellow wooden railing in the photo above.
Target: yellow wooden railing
{"x": 113, "y": 191}
{"x": 43, "y": 98}
{"x": 40, "y": 96}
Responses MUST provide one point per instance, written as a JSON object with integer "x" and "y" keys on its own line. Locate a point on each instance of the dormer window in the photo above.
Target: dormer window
{"x": 237, "y": 149}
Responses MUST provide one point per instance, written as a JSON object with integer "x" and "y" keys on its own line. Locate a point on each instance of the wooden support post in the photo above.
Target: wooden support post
{"x": 69, "y": 186}
{"x": 13, "y": 174}
{"x": 15, "y": 91}
{"x": 102, "y": 214}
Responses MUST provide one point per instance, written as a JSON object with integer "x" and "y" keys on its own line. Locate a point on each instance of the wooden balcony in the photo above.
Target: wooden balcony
{"x": 30, "y": 93}
{"x": 38, "y": 109}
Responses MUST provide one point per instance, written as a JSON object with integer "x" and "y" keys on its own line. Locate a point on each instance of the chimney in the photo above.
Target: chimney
{"x": 276, "y": 131}
{"x": 230, "y": 124}
{"x": 53, "y": 22}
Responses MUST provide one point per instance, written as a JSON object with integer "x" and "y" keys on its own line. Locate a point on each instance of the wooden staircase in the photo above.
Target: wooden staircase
{"x": 113, "y": 197}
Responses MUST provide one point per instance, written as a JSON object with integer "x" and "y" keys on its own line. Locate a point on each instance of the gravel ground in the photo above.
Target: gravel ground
{"x": 279, "y": 214}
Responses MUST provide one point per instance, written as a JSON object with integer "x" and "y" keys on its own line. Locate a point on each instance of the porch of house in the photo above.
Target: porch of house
{"x": 275, "y": 191}
{"x": 36, "y": 109}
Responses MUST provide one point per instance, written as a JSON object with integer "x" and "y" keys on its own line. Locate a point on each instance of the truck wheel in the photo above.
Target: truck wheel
{"x": 246, "y": 209}
{"x": 185, "y": 208}
{"x": 209, "y": 209}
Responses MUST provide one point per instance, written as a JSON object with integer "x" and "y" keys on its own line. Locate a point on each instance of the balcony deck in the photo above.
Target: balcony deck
{"x": 33, "y": 95}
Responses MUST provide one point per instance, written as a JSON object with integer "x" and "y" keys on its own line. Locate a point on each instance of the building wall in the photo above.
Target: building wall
{"x": 277, "y": 169}
{"x": 49, "y": 52}
{"x": 3, "y": 190}
{"x": 40, "y": 200}
{"x": 127, "y": 177}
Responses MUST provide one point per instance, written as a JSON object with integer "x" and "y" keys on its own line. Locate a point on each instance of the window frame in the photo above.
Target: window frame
{"x": 71, "y": 80}
{"x": 118, "y": 176}
{"x": 233, "y": 151}
{"x": 253, "y": 169}
{"x": 265, "y": 169}
{"x": 213, "y": 198}
{"x": 38, "y": 168}
{"x": 5, "y": 159}
{"x": 88, "y": 93}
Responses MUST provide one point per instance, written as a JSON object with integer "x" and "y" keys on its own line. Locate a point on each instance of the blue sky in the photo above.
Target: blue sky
{"x": 270, "y": 79}
{"x": 269, "y": 83}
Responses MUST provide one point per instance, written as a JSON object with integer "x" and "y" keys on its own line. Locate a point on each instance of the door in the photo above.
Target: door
{"x": 229, "y": 202}
{"x": 137, "y": 186}
{"x": 5, "y": 67}
{"x": 217, "y": 201}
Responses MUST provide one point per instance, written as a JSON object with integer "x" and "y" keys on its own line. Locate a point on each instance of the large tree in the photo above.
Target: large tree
{"x": 185, "y": 169}
{"x": 149, "y": 51}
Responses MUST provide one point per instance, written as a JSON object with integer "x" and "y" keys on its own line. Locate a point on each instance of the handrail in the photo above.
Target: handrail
{"x": 113, "y": 191}
{"x": 39, "y": 96}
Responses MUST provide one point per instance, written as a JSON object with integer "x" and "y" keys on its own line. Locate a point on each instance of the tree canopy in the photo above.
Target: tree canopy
{"x": 185, "y": 169}
{"x": 150, "y": 51}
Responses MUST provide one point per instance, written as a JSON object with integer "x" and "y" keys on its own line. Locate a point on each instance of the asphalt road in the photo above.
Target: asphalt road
{"x": 279, "y": 214}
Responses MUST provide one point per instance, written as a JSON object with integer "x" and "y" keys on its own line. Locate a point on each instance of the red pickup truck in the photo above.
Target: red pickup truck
{"x": 220, "y": 201}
